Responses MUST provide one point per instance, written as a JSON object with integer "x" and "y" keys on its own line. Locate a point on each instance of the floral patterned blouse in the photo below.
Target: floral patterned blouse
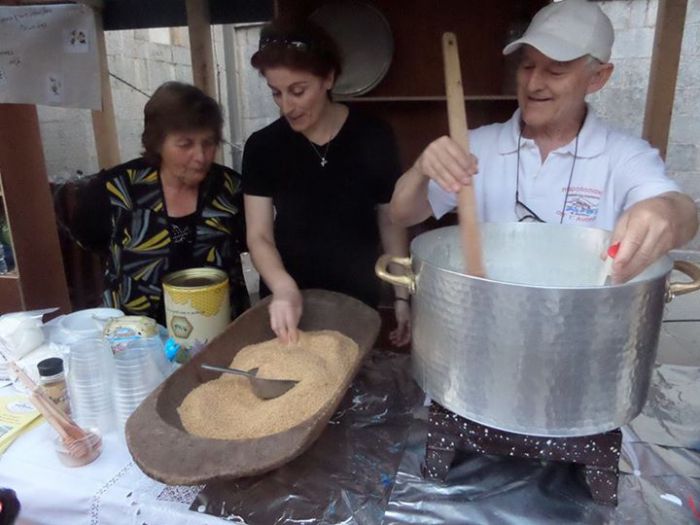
{"x": 122, "y": 210}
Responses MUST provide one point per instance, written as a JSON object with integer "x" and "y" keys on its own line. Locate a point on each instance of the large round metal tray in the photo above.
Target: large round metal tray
{"x": 365, "y": 40}
{"x": 165, "y": 451}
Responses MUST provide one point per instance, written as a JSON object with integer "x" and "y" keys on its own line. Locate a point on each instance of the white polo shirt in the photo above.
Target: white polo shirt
{"x": 612, "y": 172}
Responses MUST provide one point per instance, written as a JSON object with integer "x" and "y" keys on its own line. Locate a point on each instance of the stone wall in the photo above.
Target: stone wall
{"x": 623, "y": 100}
{"x": 255, "y": 106}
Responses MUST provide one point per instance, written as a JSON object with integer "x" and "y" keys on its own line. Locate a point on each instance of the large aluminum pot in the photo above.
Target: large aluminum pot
{"x": 538, "y": 347}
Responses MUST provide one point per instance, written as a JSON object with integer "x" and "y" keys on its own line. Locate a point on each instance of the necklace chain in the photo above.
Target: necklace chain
{"x": 323, "y": 157}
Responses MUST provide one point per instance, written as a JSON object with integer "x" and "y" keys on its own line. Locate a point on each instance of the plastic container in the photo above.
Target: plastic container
{"x": 89, "y": 373}
{"x": 84, "y": 324}
{"x": 140, "y": 366}
{"x": 80, "y": 452}
{"x": 22, "y": 331}
{"x": 53, "y": 381}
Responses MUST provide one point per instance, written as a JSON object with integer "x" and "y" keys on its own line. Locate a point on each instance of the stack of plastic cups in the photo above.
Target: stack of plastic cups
{"x": 89, "y": 371}
{"x": 140, "y": 366}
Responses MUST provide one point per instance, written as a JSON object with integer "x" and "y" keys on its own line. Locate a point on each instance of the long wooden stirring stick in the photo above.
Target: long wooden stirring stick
{"x": 457, "y": 117}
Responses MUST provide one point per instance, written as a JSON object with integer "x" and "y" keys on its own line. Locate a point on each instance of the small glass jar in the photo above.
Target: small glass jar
{"x": 53, "y": 381}
{"x": 79, "y": 452}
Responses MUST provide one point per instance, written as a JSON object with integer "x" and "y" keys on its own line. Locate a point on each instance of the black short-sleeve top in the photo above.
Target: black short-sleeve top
{"x": 326, "y": 216}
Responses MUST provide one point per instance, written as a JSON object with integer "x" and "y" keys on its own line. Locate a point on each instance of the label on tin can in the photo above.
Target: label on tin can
{"x": 197, "y": 306}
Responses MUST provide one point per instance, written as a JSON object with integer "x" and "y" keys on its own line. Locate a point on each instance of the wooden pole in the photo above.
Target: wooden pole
{"x": 104, "y": 124}
{"x": 457, "y": 119}
{"x": 198, "y": 23}
{"x": 30, "y": 212}
{"x": 670, "y": 20}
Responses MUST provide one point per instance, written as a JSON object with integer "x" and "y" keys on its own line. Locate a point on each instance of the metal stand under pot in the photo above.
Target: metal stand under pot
{"x": 598, "y": 455}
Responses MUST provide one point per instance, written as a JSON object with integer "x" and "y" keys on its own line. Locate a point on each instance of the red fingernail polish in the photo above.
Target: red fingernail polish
{"x": 612, "y": 251}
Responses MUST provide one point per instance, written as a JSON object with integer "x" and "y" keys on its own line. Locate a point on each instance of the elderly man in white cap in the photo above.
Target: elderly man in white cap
{"x": 554, "y": 160}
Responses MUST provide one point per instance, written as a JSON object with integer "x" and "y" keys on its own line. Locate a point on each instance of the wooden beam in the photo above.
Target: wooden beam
{"x": 104, "y": 123}
{"x": 29, "y": 205}
{"x": 10, "y": 296}
{"x": 198, "y": 23}
{"x": 670, "y": 21}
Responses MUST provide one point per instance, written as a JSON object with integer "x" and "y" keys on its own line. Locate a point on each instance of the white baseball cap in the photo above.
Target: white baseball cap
{"x": 568, "y": 30}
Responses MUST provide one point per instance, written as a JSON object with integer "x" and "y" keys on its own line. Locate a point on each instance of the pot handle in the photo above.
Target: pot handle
{"x": 692, "y": 271}
{"x": 382, "y": 270}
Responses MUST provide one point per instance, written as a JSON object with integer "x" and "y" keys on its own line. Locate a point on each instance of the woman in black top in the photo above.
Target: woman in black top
{"x": 171, "y": 209}
{"x": 317, "y": 184}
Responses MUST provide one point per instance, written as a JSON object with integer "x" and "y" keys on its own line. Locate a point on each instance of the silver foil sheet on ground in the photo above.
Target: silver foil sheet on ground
{"x": 671, "y": 416}
{"x": 365, "y": 468}
{"x": 495, "y": 490}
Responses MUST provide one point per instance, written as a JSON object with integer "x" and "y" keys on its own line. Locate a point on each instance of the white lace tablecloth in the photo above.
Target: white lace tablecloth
{"x": 111, "y": 490}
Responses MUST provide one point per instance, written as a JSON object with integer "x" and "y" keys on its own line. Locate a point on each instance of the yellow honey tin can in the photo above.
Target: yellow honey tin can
{"x": 197, "y": 305}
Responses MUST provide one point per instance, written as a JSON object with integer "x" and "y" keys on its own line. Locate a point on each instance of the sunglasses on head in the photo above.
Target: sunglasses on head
{"x": 282, "y": 41}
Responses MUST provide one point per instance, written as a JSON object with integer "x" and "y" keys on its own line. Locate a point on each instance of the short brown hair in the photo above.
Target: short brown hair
{"x": 300, "y": 45}
{"x": 176, "y": 106}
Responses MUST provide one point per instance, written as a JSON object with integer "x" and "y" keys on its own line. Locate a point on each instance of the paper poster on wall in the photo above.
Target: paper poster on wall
{"x": 48, "y": 55}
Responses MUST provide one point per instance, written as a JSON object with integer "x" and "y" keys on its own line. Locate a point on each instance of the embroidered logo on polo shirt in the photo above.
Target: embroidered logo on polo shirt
{"x": 582, "y": 204}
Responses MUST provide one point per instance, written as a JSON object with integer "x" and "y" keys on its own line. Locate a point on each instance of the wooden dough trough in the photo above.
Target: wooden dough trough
{"x": 166, "y": 452}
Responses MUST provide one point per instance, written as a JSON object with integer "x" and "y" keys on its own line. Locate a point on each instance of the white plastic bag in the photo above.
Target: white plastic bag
{"x": 22, "y": 332}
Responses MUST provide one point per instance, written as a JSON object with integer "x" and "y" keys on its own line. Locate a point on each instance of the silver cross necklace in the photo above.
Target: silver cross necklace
{"x": 322, "y": 156}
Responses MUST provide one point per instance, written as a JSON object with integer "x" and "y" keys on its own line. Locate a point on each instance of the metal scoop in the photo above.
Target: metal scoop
{"x": 263, "y": 388}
